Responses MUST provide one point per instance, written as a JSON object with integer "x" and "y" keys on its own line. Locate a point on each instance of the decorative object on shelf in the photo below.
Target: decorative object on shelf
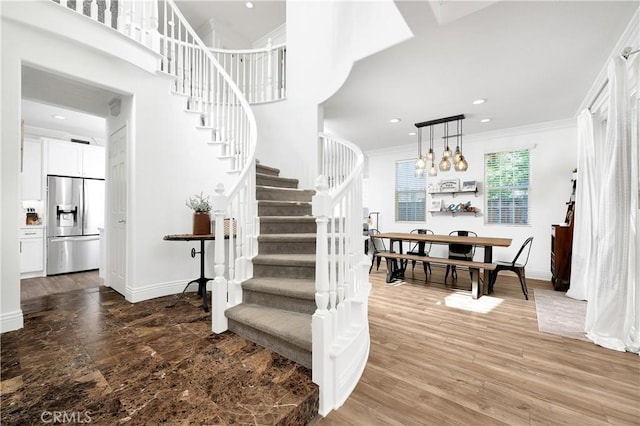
{"x": 462, "y": 207}
{"x": 436, "y": 206}
{"x": 433, "y": 187}
{"x": 449, "y": 185}
{"x": 459, "y": 162}
{"x": 201, "y": 207}
{"x": 469, "y": 185}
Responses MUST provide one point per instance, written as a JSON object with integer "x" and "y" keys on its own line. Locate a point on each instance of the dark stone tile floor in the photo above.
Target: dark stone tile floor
{"x": 89, "y": 356}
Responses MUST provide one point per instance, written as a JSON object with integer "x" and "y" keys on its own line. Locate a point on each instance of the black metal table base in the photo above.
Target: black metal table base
{"x": 202, "y": 281}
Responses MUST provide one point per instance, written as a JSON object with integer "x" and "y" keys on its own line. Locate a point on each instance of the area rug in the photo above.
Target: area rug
{"x": 559, "y": 314}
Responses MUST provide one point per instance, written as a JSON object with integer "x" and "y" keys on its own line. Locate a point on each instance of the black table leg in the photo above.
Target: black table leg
{"x": 202, "y": 281}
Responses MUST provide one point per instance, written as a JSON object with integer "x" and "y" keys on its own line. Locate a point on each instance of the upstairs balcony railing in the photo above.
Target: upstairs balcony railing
{"x": 261, "y": 74}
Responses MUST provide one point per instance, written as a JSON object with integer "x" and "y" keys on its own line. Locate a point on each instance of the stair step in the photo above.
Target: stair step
{"x": 275, "y": 181}
{"x": 266, "y": 170}
{"x": 287, "y": 224}
{"x": 283, "y": 208}
{"x": 273, "y": 193}
{"x": 285, "y": 332}
{"x": 291, "y": 294}
{"x": 300, "y": 243}
{"x": 285, "y": 266}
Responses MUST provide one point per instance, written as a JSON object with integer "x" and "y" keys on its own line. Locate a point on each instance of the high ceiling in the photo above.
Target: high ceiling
{"x": 533, "y": 61}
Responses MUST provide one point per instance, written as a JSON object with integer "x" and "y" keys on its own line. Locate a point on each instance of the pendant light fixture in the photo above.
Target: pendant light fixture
{"x": 459, "y": 162}
{"x": 445, "y": 164}
{"x": 433, "y": 171}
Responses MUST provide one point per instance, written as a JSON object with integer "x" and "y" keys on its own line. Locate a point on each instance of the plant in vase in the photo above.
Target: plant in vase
{"x": 201, "y": 207}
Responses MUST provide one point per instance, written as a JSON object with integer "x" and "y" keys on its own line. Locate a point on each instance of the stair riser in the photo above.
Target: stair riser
{"x": 302, "y": 227}
{"x": 276, "y": 181}
{"x": 266, "y": 171}
{"x": 284, "y": 271}
{"x": 307, "y": 247}
{"x": 284, "y": 348}
{"x": 275, "y": 194}
{"x": 279, "y": 302}
{"x": 291, "y": 210}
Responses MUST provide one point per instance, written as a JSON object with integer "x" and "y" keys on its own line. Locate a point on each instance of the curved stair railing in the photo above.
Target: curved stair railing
{"x": 261, "y": 74}
{"x": 340, "y": 328}
{"x": 223, "y": 110}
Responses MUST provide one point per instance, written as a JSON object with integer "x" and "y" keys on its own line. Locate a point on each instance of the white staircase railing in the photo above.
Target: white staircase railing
{"x": 340, "y": 326}
{"x": 223, "y": 110}
{"x": 260, "y": 73}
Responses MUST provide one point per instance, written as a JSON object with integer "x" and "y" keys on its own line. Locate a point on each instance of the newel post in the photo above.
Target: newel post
{"x": 321, "y": 322}
{"x": 219, "y": 322}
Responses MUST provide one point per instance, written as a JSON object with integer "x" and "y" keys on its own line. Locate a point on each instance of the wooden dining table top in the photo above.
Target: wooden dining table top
{"x": 446, "y": 239}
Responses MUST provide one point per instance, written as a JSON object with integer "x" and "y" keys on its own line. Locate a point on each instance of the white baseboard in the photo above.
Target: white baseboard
{"x": 154, "y": 291}
{"x": 11, "y": 321}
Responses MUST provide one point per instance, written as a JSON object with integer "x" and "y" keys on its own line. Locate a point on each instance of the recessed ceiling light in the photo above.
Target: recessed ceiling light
{"x": 485, "y": 120}
{"x": 249, "y": 5}
{"x": 412, "y": 134}
{"x": 59, "y": 117}
{"x": 479, "y": 101}
{"x": 395, "y": 120}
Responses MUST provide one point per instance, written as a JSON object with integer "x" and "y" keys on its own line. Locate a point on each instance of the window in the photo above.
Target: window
{"x": 411, "y": 193}
{"x": 507, "y": 187}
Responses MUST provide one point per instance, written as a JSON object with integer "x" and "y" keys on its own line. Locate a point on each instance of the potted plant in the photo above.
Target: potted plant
{"x": 201, "y": 207}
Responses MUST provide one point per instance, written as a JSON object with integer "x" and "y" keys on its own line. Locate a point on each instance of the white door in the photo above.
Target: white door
{"x": 117, "y": 210}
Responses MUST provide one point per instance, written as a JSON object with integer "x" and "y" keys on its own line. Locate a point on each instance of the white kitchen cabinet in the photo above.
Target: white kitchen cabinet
{"x": 31, "y": 175}
{"x": 75, "y": 159}
{"x": 64, "y": 158}
{"x": 31, "y": 250}
{"x": 93, "y": 161}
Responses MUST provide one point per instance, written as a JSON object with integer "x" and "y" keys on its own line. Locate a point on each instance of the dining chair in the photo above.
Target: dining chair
{"x": 459, "y": 252}
{"x": 376, "y": 245}
{"x": 420, "y": 248}
{"x": 514, "y": 266}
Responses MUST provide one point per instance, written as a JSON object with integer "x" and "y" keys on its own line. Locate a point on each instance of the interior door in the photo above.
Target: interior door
{"x": 116, "y": 232}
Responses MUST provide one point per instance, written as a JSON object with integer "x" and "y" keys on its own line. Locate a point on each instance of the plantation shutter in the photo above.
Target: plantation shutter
{"x": 507, "y": 186}
{"x": 411, "y": 195}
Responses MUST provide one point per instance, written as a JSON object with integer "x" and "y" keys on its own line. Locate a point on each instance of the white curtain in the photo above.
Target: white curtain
{"x": 583, "y": 252}
{"x": 612, "y": 293}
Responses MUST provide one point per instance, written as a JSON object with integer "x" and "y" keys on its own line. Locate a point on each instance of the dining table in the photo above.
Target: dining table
{"x": 486, "y": 243}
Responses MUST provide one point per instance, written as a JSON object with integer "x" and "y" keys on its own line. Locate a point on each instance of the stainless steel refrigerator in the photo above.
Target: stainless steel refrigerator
{"x": 75, "y": 211}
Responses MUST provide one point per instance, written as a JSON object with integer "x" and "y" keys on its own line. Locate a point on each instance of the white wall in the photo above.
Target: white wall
{"x": 168, "y": 158}
{"x": 324, "y": 39}
{"x": 553, "y": 157}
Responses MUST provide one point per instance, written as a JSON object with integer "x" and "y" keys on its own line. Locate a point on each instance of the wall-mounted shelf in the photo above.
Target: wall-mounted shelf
{"x": 455, "y": 213}
{"x": 453, "y": 194}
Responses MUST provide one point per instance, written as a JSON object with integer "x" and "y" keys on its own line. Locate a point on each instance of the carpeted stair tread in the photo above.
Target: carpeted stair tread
{"x": 285, "y": 259}
{"x": 290, "y": 287}
{"x": 292, "y": 327}
{"x": 284, "y": 203}
{"x": 292, "y": 219}
{"x": 266, "y": 170}
{"x": 289, "y": 237}
{"x": 275, "y": 181}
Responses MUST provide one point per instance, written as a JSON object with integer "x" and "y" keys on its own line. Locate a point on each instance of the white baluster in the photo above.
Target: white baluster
{"x": 63, "y": 3}
{"x": 107, "y": 13}
{"x": 269, "y": 70}
{"x": 120, "y": 19}
{"x": 79, "y": 6}
{"x": 93, "y": 9}
{"x": 219, "y": 321}
{"x": 153, "y": 40}
{"x": 321, "y": 208}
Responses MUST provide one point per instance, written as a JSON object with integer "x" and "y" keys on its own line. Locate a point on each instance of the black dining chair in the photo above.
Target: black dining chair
{"x": 459, "y": 252}
{"x": 421, "y": 249}
{"x": 376, "y": 245}
{"x": 514, "y": 266}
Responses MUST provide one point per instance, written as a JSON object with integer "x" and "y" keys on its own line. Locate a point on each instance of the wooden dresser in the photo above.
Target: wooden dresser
{"x": 561, "y": 240}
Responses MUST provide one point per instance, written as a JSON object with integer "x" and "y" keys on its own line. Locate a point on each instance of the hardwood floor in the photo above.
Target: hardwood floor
{"x": 33, "y": 288}
{"x": 435, "y": 361}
